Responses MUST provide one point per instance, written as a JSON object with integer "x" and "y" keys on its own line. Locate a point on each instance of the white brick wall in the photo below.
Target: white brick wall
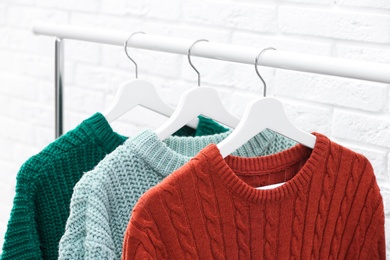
{"x": 351, "y": 112}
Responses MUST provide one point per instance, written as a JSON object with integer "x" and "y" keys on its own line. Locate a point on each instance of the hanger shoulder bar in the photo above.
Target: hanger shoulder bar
{"x": 363, "y": 70}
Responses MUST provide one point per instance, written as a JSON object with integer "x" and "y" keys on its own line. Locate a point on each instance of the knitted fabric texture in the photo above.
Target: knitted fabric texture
{"x": 103, "y": 199}
{"x": 329, "y": 208}
{"x": 45, "y": 186}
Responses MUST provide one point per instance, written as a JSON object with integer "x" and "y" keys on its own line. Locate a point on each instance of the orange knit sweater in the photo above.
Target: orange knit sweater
{"x": 329, "y": 208}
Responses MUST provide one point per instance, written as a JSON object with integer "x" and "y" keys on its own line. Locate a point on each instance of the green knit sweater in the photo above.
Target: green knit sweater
{"x": 45, "y": 185}
{"x": 103, "y": 199}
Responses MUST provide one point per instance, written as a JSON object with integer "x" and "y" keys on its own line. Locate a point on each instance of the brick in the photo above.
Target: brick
{"x": 27, "y": 64}
{"x": 248, "y": 80}
{"x": 24, "y": 40}
{"x": 88, "y": 52}
{"x": 15, "y": 85}
{"x": 7, "y": 193}
{"x": 8, "y": 176}
{"x": 7, "y": 148}
{"x": 187, "y": 31}
{"x": 16, "y": 130}
{"x": 83, "y": 100}
{"x": 235, "y": 100}
{"x": 115, "y": 57}
{"x": 45, "y": 92}
{"x": 347, "y": 25}
{"x": 69, "y": 77}
{"x": 31, "y": 112}
{"x": 23, "y": 152}
{"x": 365, "y": 3}
{"x": 116, "y": 22}
{"x": 388, "y": 166}
{"x": 170, "y": 90}
{"x": 25, "y": 16}
{"x": 149, "y": 62}
{"x": 12, "y": 39}
{"x": 211, "y": 72}
{"x": 365, "y": 53}
{"x": 323, "y": 2}
{"x": 123, "y": 7}
{"x": 21, "y": 2}
{"x": 258, "y": 18}
{"x": 167, "y": 10}
{"x": 355, "y": 94}
{"x": 282, "y": 42}
{"x": 73, "y": 119}
{"x": 3, "y": 14}
{"x": 309, "y": 118}
{"x": 43, "y": 136}
{"x": 98, "y": 77}
{"x": 366, "y": 129}
{"x": 71, "y": 5}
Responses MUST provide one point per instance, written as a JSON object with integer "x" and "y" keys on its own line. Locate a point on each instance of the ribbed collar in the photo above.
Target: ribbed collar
{"x": 207, "y": 126}
{"x": 168, "y": 155}
{"x": 225, "y": 168}
{"x": 100, "y": 130}
{"x": 97, "y": 128}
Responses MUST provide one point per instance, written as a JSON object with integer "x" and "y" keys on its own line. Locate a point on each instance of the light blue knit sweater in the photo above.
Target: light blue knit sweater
{"x": 103, "y": 199}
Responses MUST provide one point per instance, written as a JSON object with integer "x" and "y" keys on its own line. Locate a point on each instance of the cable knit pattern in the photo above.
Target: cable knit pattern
{"x": 323, "y": 207}
{"x": 295, "y": 220}
{"x": 152, "y": 236}
{"x": 104, "y": 197}
{"x": 242, "y": 224}
{"x": 270, "y": 230}
{"x": 346, "y": 205}
{"x": 367, "y": 210}
{"x": 209, "y": 210}
{"x": 176, "y": 214}
{"x": 298, "y": 224}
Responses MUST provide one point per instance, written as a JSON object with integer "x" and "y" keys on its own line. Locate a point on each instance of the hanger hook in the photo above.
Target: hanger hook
{"x": 189, "y": 57}
{"x": 257, "y": 71}
{"x": 127, "y": 54}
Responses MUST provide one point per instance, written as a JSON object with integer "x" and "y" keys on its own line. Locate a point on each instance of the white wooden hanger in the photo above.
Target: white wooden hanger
{"x": 259, "y": 115}
{"x": 138, "y": 92}
{"x": 194, "y": 102}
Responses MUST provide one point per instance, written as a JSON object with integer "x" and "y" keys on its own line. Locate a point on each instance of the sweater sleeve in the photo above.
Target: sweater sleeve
{"x": 99, "y": 240}
{"x": 374, "y": 245}
{"x": 72, "y": 242}
{"x": 376, "y": 249}
{"x": 21, "y": 239}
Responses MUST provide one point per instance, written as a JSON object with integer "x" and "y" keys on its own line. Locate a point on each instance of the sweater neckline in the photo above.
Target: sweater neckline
{"x": 99, "y": 129}
{"x": 225, "y": 169}
{"x": 170, "y": 154}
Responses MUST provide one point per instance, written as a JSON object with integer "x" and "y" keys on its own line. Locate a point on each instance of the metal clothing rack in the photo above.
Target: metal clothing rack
{"x": 371, "y": 71}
